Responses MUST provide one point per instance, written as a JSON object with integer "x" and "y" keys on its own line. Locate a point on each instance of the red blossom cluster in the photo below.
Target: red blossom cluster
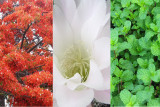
{"x": 7, "y": 6}
{"x": 26, "y": 62}
{"x": 38, "y": 78}
{"x": 14, "y": 61}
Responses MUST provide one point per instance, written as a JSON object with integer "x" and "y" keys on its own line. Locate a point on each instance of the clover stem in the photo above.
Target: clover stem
{"x": 115, "y": 54}
{"x": 150, "y": 84}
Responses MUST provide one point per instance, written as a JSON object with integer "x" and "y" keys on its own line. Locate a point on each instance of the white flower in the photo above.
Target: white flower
{"x": 81, "y": 46}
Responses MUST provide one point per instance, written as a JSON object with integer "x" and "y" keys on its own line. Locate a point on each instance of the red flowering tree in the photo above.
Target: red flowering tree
{"x": 26, "y": 52}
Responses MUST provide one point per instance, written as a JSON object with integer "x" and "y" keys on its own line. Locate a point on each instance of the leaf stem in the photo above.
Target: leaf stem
{"x": 150, "y": 84}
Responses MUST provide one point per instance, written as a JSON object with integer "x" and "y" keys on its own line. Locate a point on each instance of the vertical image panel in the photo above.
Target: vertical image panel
{"x": 135, "y": 53}
{"x": 26, "y": 53}
{"x": 81, "y": 51}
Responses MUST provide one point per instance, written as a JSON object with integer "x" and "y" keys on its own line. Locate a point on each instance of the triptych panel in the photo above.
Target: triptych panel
{"x": 80, "y": 53}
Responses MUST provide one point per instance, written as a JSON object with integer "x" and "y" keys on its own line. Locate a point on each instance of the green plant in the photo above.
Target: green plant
{"x": 135, "y": 52}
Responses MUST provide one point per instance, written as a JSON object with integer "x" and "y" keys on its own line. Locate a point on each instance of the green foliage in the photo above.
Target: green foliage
{"x": 135, "y": 53}
{"x": 125, "y": 96}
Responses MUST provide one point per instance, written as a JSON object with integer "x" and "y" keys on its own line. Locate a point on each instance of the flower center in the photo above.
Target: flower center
{"x": 75, "y": 60}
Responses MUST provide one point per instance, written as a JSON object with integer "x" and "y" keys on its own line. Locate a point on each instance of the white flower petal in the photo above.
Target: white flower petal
{"x": 58, "y": 78}
{"x": 108, "y": 6}
{"x": 69, "y": 98}
{"x": 105, "y": 29}
{"x": 106, "y": 77}
{"x": 74, "y": 82}
{"x": 102, "y": 96}
{"x": 96, "y": 20}
{"x": 95, "y": 78}
{"x": 92, "y": 9}
{"x": 77, "y": 2}
{"x": 63, "y": 36}
{"x": 68, "y": 7}
{"x": 102, "y": 52}
{"x": 89, "y": 18}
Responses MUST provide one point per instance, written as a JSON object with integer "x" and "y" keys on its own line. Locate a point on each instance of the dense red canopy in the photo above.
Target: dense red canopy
{"x": 26, "y": 33}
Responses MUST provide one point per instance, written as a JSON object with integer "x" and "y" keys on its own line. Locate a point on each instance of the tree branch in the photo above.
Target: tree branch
{"x": 24, "y": 35}
{"x": 36, "y": 67}
{"x": 25, "y": 72}
{"x": 35, "y": 46}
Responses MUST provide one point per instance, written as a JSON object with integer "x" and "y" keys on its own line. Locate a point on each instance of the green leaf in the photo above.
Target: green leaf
{"x": 149, "y": 2}
{"x": 115, "y": 80}
{"x": 150, "y": 91}
{"x": 125, "y": 64}
{"x": 125, "y": 13}
{"x": 133, "y": 99}
{"x": 135, "y": 1}
{"x": 156, "y": 1}
{"x": 123, "y": 46}
{"x": 145, "y": 95}
{"x": 143, "y": 13}
{"x": 127, "y": 75}
{"x": 158, "y": 38}
{"x": 142, "y": 63}
{"x": 144, "y": 75}
{"x": 141, "y": 96}
{"x": 154, "y": 102}
{"x": 155, "y": 75}
{"x": 113, "y": 65}
{"x": 157, "y": 20}
{"x": 125, "y": 3}
{"x": 155, "y": 48}
{"x": 148, "y": 21}
{"x": 117, "y": 101}
{"x": 114, "y": 36}
{"x": 118, "y": 72}
{"x": 149, "y": 34}
{"x": 125, "y": 96}
{"x": 127, "y": 55}
{"x": 144, "y": 43}
{"x": 138, "y": 88}
{"x": 135, "y": 48}
{"x": 154, "y": 27}
{"x": 155, "y": 10}
{"x": 112, "y": 87}
{"x": 128, "y": 85}
{"x": 151, "y": 67}
{"x": 127, "y": 26}
{"x": 158, "y": 74}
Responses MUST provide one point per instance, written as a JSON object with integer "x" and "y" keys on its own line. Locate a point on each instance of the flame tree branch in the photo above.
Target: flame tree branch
{"x": 25, "y": 34}
{"x": 35, "y": 46}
